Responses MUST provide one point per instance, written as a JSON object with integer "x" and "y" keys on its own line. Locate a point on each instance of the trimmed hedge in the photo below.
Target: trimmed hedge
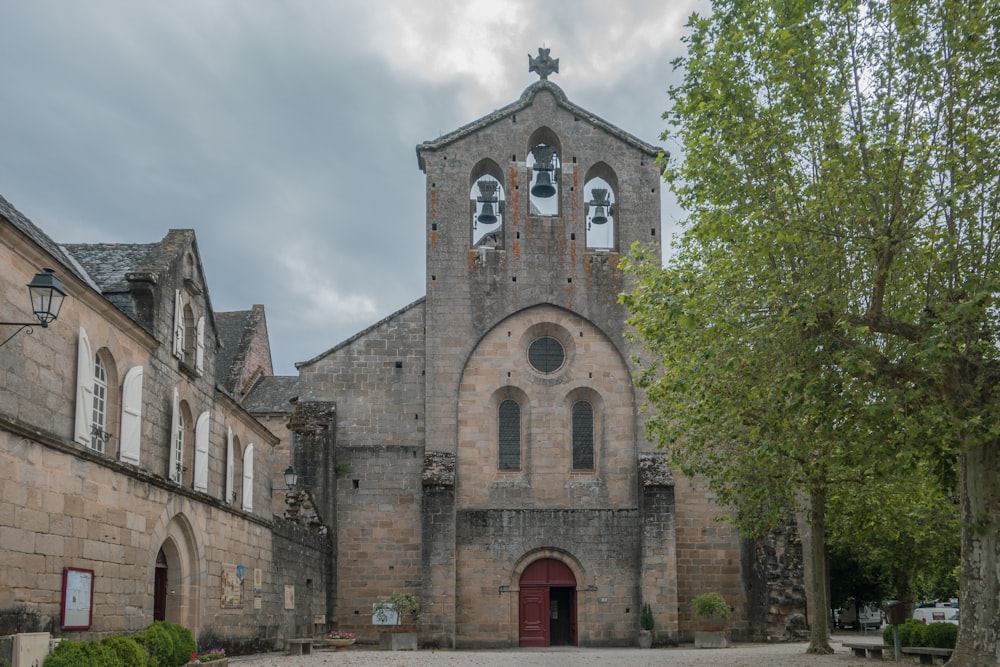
{"x": 917, "y": 633}
{"x": 161, "y": 645}
{"x": 83, "y": 654}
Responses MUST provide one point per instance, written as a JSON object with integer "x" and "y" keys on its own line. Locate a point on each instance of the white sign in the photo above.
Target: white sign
{"x": 384, "y": 613}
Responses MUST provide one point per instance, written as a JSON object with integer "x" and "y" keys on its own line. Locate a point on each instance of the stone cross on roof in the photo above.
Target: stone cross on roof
{"x": 543, "y": 64}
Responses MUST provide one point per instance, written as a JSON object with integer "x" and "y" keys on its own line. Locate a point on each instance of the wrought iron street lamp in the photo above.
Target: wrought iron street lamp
{"x": 47, "y": 294}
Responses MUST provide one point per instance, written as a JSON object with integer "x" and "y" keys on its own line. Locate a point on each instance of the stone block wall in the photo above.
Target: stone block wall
{"x": 603, "y": 545}
{"x": 302, "y": 559}
{"x": 378, "y": 531}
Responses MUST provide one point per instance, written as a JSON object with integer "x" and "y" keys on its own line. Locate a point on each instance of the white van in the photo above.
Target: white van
{"x": 939, "y": 612}
{"x": 871, "y": 617}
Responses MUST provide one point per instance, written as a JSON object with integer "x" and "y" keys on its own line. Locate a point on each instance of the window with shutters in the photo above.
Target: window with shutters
{"x": 99, "y": 407}
{"x": 509, "y": 435}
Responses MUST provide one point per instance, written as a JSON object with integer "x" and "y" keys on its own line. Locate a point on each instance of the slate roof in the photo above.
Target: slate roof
{"x": 40, "y": 238}
{"x": 272, "y": 394}
{"x": 524, "y": 101}
{"x": 232, "y": 327}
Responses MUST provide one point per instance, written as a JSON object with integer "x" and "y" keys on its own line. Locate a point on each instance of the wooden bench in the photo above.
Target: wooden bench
{"x": 299, "y": 646}
{"x": 870, "y": 650}
{"x": 926, "y": 654}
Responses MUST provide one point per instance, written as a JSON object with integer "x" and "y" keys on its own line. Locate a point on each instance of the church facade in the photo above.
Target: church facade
{"x": 483, "y": 448}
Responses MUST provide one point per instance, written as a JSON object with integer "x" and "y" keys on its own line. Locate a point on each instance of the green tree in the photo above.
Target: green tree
{"x": 833, "y": 299}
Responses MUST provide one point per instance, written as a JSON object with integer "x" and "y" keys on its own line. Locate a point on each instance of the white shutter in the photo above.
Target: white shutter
{"x": 199, "y": 359}
{"x": 178, "y": 325}
{"x": 230, "y": 465}
{"x": 172, "y": 471}
{"x": 248, "y": 478}
{"x": 201, "y": 431}
{"x": 84, "y": 389}
{"x": 131, "y": 430}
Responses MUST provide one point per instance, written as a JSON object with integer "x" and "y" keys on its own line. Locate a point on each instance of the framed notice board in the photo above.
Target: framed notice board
{"x": 77, "y": 607}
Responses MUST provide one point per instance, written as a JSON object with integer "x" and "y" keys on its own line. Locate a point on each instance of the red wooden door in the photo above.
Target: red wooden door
{"x": 536, "y": 584}
{"x": 534, "y": 616}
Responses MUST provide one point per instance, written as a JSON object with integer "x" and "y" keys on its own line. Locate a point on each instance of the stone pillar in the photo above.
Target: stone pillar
{"x": 438, "y": 550}
{"x": 658, "y": 562}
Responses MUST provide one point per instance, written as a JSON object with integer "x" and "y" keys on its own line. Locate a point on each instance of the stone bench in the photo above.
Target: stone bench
{"x": 926, "y": 654}
{"x": 869, "y": 650}
{"x": 299, "y": 646}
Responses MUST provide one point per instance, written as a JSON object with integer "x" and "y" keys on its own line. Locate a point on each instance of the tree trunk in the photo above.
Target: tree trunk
{"x": 979, "y": 630}
{"x": 819, "y": 626}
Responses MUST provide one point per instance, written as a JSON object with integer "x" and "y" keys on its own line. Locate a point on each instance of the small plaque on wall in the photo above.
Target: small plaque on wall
{"x": 77, "y": 599}
{"x": 289, "y": 596}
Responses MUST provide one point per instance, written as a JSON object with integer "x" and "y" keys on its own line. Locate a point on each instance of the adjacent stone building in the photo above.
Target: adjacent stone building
{"x": 134, "y": 483}
{"x": 483, "y": 448}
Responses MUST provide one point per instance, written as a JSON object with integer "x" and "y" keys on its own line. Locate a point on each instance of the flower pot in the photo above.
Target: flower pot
{"x": 711, "y": 639}
{"x": 398, "y": 641}
{"x": 645, "y": 639}
{"x": 221, "y": 662}
{"x": 339, "y": 644}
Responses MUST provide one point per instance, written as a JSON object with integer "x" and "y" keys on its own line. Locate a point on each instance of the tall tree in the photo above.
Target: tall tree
{"x": 839, "y": 168}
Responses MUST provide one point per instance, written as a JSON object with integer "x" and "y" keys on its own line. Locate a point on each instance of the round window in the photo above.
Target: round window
{"x": 546, "y": 354}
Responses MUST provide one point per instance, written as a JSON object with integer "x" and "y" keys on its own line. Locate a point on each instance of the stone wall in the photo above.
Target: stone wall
{"x": 302, "y": 559}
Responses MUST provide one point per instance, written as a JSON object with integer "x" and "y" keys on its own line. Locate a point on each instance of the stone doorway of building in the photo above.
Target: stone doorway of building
{"x": 547, "y": 605}
{"x": 160, "y": 587}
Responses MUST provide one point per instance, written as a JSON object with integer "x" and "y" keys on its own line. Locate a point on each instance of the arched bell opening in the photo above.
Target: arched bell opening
{"x": 487, "y": 205}
{"x": 544, "y": 173}
{"x": 600, "y": 202}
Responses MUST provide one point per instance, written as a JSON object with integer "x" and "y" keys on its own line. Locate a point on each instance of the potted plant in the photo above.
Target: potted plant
{"x": 402, "y": 636}
{"x": 646, "y": 626}
{"x": 712, "y": 613}
{"x": 340, "y": 639}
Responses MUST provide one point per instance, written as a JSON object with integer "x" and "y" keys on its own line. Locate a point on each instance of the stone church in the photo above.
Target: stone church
{"x": 483, "y": 448}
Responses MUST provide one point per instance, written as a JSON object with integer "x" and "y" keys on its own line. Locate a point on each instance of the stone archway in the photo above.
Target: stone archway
{"x": 177, "y": 575}
{"x": 547, "y": 604}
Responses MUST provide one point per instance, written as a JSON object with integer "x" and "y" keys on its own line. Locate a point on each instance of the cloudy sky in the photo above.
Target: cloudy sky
{"x": 283, "y": 132}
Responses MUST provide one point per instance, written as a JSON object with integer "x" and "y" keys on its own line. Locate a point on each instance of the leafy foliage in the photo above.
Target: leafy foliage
{"x": 83, "y": 654}
{"x": 128, "y": 649}
{"x": 830, "y": 316}
{"x": 709, "y": 605}
{"x": 646, "y": 621}
{"x": 940, "y": 635}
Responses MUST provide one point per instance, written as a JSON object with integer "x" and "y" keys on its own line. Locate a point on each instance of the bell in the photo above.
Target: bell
{"x": 600, "y": 215}
{"x": 486, "y": 215}
{"x": 543, "y": 185}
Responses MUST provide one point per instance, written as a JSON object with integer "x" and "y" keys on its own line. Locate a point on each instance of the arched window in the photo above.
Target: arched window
{"x": 583, "y": 436}
{"x": 175, "y": 466}
{"x": 190, "y": 335}
{"x": 487, "y": 204}
{"x": 99, "y": 410}
{"x": 509, "y": 435}
{"x": 248, "y": 478}
{"x": 544, "y": 162}
{"x": 600, "y": 214}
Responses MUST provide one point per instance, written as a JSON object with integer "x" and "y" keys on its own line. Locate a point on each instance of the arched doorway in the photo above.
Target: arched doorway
{"x": 547, "y": 604}
{"x": 160, "y": 588}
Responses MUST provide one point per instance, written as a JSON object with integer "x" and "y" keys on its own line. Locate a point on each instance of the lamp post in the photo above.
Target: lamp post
{"x": 46, "y": 293}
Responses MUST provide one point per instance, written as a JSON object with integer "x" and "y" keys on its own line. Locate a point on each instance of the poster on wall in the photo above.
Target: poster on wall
{"x": 77, "y": 599}
{"x": 232, "y": 586}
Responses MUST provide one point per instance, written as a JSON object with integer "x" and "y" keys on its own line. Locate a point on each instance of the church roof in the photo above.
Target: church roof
{"x": 235, "y": 334}
{"x": 527, "y": 97}
{"x": 272, "y": 394}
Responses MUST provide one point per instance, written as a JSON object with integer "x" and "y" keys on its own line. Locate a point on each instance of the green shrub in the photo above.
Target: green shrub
{"x": 911, "y": 633}
{"x": 159, "y": 643}
{"x": 129, "y": 649}
{"x": 184, "y": 644}
{"x": 646, "y": 617}
{"x": 83, "y": 654}
{"x": 711, "y": 605}
{"x": 940, "y": 635}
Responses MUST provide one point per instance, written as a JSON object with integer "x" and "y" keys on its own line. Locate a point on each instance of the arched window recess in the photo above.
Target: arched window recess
{"x": 487, "y": 204}
{"x": 546, "y": 168}
{"x": 601, "y": 213}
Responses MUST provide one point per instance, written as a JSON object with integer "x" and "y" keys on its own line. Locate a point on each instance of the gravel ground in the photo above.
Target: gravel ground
{"x": 741, "y": 655}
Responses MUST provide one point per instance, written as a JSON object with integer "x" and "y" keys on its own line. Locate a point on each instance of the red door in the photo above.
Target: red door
{"x": 542, "y": 582}
{"x": 534, "y": 616}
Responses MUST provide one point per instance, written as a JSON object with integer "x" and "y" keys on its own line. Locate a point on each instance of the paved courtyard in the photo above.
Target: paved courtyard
{"x": 742, "y": 655}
